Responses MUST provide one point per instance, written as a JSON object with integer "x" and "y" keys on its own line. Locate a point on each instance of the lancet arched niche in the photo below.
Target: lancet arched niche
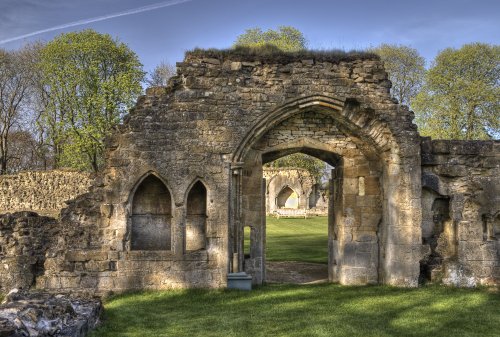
{"x": 196, "y": 217}
{"x": 151, "y": 216}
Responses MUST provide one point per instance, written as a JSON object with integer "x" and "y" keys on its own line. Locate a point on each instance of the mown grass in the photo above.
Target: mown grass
{"x": 312, "y": 310}
{"x": 303, "y": 310}
{"x": 304, "y": 240}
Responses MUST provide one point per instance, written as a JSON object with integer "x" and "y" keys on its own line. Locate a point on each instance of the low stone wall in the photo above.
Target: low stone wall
{"x": 461, "y": 211}
{"x": 44, "y": 192}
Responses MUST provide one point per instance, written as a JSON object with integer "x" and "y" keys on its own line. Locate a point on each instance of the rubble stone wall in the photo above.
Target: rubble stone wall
{"x": 461, "y": 207}
{"x": 41, "y": 191}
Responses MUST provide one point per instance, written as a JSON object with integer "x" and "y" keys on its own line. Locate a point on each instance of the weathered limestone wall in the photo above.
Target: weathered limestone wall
{"x": 44, "y": 192}
{"x": 461, "y": 211}
{"x": 203, "y": 128}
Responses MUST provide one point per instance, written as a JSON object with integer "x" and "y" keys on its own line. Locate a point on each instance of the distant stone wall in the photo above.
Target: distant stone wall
{"x": 461, "y": 211}
{"x": 44, "y": 192}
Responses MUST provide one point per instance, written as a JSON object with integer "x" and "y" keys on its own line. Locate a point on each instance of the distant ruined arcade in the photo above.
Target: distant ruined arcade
{"x": 289, "y": 189}
{"x": 184, "y": 177}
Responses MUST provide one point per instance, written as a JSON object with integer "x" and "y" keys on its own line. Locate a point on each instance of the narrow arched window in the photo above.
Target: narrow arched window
{"x": 151, "y": 216}
{"x": 196, "y": 219}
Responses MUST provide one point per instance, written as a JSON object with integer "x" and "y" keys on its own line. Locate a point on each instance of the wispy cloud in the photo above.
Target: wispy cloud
{"x": 97, "y": 19}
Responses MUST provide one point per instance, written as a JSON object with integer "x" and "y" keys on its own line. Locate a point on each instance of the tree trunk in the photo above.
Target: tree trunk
{"x": 3, "y": 155}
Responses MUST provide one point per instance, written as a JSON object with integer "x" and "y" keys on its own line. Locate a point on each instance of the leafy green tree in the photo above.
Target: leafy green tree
{"x": 285, "y": 38}
{"x": 461, "y": 97}
{"x": 406, "y": 68}
{"x": 89, "y": 80}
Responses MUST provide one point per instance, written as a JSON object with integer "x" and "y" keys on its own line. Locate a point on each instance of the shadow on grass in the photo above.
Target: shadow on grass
{"x": 316, "y": 310}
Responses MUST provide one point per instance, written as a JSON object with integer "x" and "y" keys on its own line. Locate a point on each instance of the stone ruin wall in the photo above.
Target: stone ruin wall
{"x": 202, "y": 118}
{"x": 44, "y": 192}
{"x": 461, "y": 211}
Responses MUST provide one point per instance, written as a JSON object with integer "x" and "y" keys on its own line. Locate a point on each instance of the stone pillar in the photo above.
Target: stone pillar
{"x": 252, "y": 215}
{"x": 333, "y": 252}
{"x": 235, "y": 227}
{"x": 402, "y": 223}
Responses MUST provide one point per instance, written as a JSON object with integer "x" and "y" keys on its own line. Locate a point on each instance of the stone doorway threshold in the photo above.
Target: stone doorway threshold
{"x": 296, "y": 272}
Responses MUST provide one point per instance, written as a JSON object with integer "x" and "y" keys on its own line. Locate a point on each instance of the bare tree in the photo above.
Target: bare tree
{"x": 15, "y": 86}
{"x": 23, "y": 152}
{"x": 160, "y": 75}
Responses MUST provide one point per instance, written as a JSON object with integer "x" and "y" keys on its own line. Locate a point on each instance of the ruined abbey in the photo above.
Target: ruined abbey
{"x": 184, "y": 178}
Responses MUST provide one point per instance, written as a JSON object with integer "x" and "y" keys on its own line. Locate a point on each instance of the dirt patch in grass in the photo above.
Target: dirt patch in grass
{"x": 296, "y": 272}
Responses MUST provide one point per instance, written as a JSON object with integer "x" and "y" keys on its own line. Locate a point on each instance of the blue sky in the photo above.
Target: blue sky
{"x": 166, "y": 33}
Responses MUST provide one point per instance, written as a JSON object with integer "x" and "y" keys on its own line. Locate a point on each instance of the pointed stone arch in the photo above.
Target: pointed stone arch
{"x": 361, "y": 123}
{"x": 287, "y": 198}
{"x": 382, "y": 172}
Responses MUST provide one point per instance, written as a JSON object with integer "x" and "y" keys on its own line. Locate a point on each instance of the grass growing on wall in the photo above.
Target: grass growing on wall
{"x": 272, "y": 54}
{"x": 289, "y": 239}
{"x": 312, "y": 310}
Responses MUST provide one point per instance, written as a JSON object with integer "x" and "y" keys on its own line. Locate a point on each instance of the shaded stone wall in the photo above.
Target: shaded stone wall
{"x": 184, "y": 178}
{"x": 461, "y": 207}
{"x": 41, "y": 191}
{"x": 25, "y": 237}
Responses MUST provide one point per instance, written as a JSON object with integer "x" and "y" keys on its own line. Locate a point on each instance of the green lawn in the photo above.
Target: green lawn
{"x": 307, "y": 310}
{"x": 303, "y": 240}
